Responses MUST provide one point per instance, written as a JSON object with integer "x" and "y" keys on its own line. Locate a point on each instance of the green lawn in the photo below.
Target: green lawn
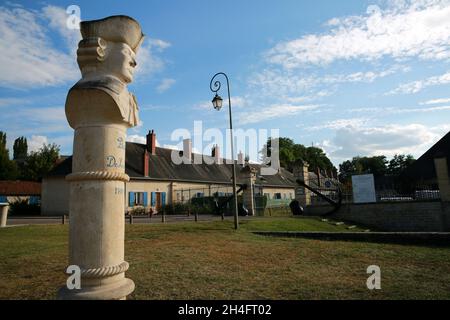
{"x": 209, "y": 260}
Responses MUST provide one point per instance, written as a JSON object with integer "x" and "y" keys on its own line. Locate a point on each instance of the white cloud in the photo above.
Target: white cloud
{"x": 36, "y": 142}
{"x": 388, "y": 140}
{"x": 273, "y": 112}
{"x": 57, "y": 18}
{"x": 339, "y": 124}
{"x": 173, "y": 147}
{"x": 136, "y": 138}
{"x": 29, "y": 59}
{"x": 65, "y": 142}
{"x": 312, "y": 97}
{"x": 156, "y": 107}
{"x": 368, "y": 76}
{"x": 438, "y": 108}
{"x": 239, "y": 102}
{"x": 205, "y": 105}
{"x": 139, "y": 139}
{"x": 435, "y": 101}
{"x": 285, "y": 83}
{"x": 159, "y": 44}
{"x": 148, "y": 62}
{"x": 417, "y": 86}
{"x": 37, "y": 121}
{"x": 387, "y": 111}
{"x": 42, "y": 116}
{"x": 179, "y": 147}
{"x": 6, "y": 102}
{"x": 278, "y": 83}
{"x": 165, "y": 85}
{"x": 414, "y": 29}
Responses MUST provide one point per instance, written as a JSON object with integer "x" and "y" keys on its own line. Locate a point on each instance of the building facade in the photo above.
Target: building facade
{"x": 156, "y": 181}
{"x": 16, "y": 191}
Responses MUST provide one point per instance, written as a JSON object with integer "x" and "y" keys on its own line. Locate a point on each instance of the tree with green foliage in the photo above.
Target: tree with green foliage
{"x": 40, "y": 163}
{"x": 317, "y": 159}
{"x": 291, "y": 152}
{"x": 8, "y": 168}
{"x": 362, "y": 165}
{"x": 399, "y": 163}
{"x": 20, "y": 148}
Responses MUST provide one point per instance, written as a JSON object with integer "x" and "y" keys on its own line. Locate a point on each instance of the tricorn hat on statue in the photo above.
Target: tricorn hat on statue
{"x": 115, "y": 28}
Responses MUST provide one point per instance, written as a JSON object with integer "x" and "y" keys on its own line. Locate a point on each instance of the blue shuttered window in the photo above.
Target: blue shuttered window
{"x": 163, "y": 199}
{"x": 3, "y": 199}
{"x": 131, "y": 199}
{"x": 33, "y": 200}
{"x": 145, "y": 199}
{"x": 153, "y": 199}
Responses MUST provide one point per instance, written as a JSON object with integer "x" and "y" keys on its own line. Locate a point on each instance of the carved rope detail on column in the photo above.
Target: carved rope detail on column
{"x": 105, "y": 271}
{"x": 98, "y": 175}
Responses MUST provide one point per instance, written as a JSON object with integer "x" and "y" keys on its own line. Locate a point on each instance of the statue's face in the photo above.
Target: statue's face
{"x": 121, "y": 61}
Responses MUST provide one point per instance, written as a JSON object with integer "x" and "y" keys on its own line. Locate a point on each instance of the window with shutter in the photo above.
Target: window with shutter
{"x": 163, "y": 199}
{"x": 145, "y": 203}
{"x": 153, "y": 199}
{"x": 131, "y": 199}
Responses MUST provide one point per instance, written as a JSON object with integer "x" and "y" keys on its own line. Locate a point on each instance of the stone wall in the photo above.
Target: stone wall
{"x": 432, "y": 216}
{"x": 55, "y": 196}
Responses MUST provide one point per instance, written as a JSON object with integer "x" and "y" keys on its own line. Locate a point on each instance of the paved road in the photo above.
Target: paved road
{"x": 13, "y": 221}
{"x": 136, "y": 220}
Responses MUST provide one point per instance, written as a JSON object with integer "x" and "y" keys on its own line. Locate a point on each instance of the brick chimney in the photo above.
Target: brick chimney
{"x": 187, "y": 149}
{"x": 241, "y": 160}
{"x": 215, "y": 152}
{"x": 146, "y": 163}
{"x": 151, "y": 142}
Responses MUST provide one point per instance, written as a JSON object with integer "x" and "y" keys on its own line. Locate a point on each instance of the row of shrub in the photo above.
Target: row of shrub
{"x": 24, "y": 208}
{"x": 208, "y": 206}
{"x": 186, "y": 208}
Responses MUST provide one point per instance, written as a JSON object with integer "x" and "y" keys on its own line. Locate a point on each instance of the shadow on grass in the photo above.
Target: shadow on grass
{"x": 425, "y": 239}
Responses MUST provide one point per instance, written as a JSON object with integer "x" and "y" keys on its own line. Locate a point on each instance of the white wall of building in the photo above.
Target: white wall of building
{"x": 55, "y": 192}
{"x": 55, "y": 196}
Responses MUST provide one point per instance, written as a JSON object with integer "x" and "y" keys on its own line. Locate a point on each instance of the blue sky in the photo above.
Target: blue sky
{"x": 353, "y": 77}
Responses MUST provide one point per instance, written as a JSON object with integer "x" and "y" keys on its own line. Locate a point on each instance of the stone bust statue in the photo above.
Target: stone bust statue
{"x": 100, "y": 110}
{"x": 106, "y": 56}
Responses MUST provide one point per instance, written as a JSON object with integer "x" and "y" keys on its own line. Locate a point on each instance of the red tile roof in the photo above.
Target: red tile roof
{"x": 20, "y": 188}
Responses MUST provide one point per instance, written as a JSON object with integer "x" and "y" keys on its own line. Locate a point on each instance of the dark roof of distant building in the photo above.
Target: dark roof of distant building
{"x": 20, "y": 188}
{"x": 162, "y": 168}
{"x": 423, "y": 169}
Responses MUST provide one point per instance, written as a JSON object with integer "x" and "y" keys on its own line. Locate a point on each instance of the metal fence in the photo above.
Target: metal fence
{"x": 187, "y": 194}
{"x": 387, "y": 189}
{"x": 203, "y": 200}
{"x": 392, "y": 190}
{"x": 331, "y": 188}
{"x": 419, "y": 192}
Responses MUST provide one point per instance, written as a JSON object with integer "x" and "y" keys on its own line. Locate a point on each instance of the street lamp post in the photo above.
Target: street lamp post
{"x": 217, "y": 103}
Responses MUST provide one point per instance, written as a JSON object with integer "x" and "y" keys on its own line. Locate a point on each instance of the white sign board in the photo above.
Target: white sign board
{"x": 363, "y": 188}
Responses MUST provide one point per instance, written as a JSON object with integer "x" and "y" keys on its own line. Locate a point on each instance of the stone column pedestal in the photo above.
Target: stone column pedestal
{"x": 302, "y": 195}
{"x": 4, "y": 207}
{"x": 97, "y": 190}
{"x": 100, "y": 110}
{"x": 248, "y": 176}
